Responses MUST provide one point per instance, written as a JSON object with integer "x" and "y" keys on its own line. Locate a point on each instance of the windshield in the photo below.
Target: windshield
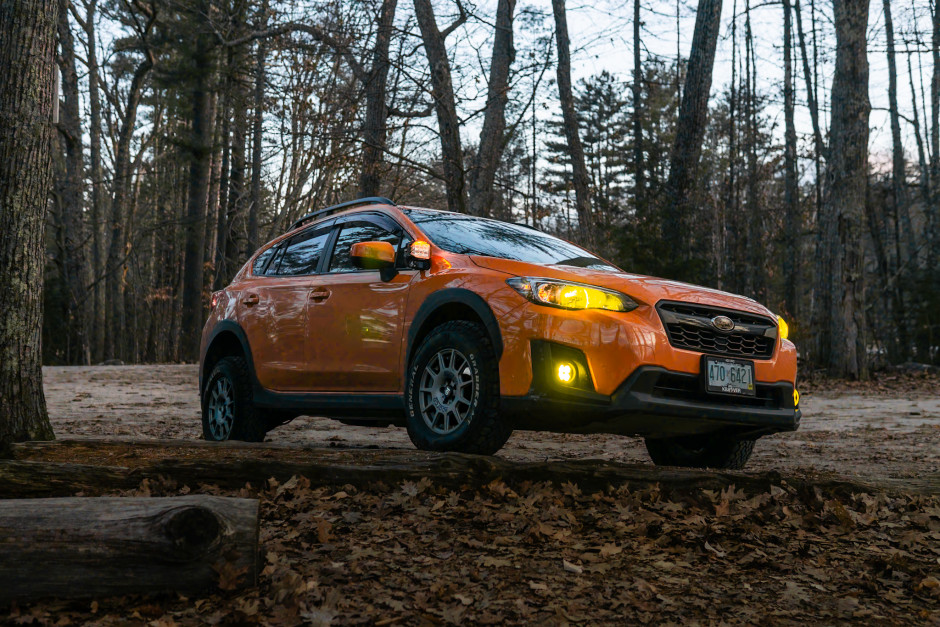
{"x": 468, "y": 235}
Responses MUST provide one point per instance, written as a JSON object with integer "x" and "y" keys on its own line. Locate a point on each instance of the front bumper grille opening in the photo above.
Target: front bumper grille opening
{"x": 689, "y": 327}
{"x": 685, "y": 388}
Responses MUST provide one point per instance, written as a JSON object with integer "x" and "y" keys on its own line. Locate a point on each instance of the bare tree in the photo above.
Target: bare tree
{"x": 791, "y": 191}
{"x": 70, "y": 194}
{"x": 639, "y": 167}
{"x": 690, "y": 130}
{"x": 445, "y": 104}
{"x": 492, "y": 138}
{"x": 27, "y": 97}
{"x": 582, "y": 181}
{"x": 199, "y": 171}
{"x": 847, "y": 181}
{"x": 374, "y": 129}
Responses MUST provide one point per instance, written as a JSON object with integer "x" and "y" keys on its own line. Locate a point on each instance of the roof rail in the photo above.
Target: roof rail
{"x": 371, "y": 200}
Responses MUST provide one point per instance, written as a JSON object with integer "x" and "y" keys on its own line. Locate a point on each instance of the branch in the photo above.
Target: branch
{"x": 457, "y": 23}
{"x": 423, "y": 113}
{"x": 314, "y": 31}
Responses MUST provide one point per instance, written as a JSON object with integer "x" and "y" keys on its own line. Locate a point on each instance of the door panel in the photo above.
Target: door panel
{"x": 273, "y": 311}
{"x": 355, "y": 333}
{"x": 276, "y": 329}
{"x": 355, "y": 319}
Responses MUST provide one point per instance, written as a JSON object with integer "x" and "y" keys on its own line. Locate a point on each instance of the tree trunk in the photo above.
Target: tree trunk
{"x": 690, "y": 129}
{"x": 98, "y": 327}
{"x": 847, "y": 180}
{"x": 822, "y": 269}
{"x": 374, "y": 130}
{"x": 254, "y": 209}
{"x": 934, "y": 207}
{"x": 639, "y": 167}
{"x": 791, "y": 194}
{"x": 902, "y": 218}
{"x": 27, "y": 97}
{"x": 200, "y": 162}
{"x": 71, "y": 196}
{"x": 123, "y": 174}
{"x": 111, "y": 546}
{"x": 581, "y": 180}
{"x": 754, "y": 280}
{"x": 442, "y": 90}
{"x": 492, "y": 136}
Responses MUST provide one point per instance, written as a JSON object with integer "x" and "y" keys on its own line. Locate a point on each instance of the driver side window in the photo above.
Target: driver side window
{"x": 353, "y": 233}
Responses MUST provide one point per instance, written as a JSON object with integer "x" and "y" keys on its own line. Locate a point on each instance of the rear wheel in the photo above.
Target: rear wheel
{"x": 452, "y": 392}
{"x": 696, "y": 451}
{"x": 228, "y": 412}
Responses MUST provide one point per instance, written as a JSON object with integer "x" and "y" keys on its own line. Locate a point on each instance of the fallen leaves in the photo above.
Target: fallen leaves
{"x": 534, "y": 553}
{"x": 571, "y": 567}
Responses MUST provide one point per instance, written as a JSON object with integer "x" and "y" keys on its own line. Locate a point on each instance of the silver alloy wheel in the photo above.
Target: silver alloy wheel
{"x": 445, "y": 393}
{"x": 221, "y": 409}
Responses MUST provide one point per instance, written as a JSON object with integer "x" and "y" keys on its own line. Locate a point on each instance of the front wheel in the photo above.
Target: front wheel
{"x": 452, "y": 392}
{"x": 700, "y": 451}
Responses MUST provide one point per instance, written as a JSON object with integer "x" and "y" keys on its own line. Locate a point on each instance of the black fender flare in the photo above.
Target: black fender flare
{"x": 226, "y": 326}
{"x": 460, "y": 296}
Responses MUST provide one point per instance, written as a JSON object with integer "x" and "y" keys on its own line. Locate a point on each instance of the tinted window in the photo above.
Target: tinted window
{"x": 302, "y": 254}
{"x": 261, "y": 260}
{"x": 355, "y": 232}
{"x": 468, "y": 235}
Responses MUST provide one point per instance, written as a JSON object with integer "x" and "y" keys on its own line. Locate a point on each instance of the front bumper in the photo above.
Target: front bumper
{"x": 656, "y": 402}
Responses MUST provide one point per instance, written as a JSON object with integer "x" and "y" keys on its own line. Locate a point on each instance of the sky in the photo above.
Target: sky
{"x": 602, "y": 33}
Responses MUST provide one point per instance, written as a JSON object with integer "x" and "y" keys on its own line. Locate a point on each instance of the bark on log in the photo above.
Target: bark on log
{"x": 232, "y": 465}
{"x": 93, "y": 547}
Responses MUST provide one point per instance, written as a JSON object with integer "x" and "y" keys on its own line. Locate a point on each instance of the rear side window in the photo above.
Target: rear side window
{"x": 302, "y": 254}
{"x": 262, "y": 260}
{"x": 353, "y": 233}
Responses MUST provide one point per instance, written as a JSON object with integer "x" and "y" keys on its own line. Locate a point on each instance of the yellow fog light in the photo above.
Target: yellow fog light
{"x": 796, "y": 398}
{"x": 784, "y": 330}
{"x": 566, "y": 372}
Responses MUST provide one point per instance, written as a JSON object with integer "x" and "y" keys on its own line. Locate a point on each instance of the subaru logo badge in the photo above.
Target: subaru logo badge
{"x": 723, "y": 323}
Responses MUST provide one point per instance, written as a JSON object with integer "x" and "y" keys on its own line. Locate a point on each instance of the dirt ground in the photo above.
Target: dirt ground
{"x": 789, "y": 552}
{"x": 886, "y": 431}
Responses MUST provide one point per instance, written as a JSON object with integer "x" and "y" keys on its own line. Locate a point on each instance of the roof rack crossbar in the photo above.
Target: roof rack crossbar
{"x": 371, "y": 200}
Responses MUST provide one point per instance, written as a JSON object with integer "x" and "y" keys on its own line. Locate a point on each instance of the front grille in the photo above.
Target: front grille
{"x": 690, "y": 327}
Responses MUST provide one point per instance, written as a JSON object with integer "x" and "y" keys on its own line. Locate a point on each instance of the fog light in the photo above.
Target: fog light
{"x": 566, "y": 372}
{"x": 796, "y": 398}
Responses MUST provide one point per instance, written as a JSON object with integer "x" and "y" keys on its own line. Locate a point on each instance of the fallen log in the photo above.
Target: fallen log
{"x": 96, "y": 547}
{"x": 232, "y": 465}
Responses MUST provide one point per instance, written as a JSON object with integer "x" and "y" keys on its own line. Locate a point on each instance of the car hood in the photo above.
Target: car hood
{"x": 645, "y": 289}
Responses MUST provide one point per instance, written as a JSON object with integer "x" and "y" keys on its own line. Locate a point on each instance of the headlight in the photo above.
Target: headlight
{"x": 782, "y": 329}
{"x": 567, "y": 295}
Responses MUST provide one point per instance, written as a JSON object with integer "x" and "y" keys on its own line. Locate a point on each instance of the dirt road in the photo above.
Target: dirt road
{"x": 886, "y": 432}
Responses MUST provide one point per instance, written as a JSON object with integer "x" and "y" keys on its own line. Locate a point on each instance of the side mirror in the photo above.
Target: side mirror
{"x": 373, "y": 255}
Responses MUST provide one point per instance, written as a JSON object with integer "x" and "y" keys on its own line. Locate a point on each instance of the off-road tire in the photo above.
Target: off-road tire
{"x": 484, "y": 431}
{"x": 248, "y": 425}
{"x": 700, "y": 451}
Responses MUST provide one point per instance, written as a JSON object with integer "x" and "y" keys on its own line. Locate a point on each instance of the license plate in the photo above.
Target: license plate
{"x": 729, "y": 376}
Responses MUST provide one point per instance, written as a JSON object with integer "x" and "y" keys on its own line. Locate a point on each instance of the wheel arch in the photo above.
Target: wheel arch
{"x": 227, "y": 339}
{"x": 452, "y": 304}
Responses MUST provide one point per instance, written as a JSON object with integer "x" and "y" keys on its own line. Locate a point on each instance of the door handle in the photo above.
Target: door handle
{"x": 319, "y": 294}
{"x": 250, "y": 299}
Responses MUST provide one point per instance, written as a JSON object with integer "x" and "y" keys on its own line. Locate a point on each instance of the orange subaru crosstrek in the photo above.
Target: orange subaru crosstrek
{"x": 463, "y": 329}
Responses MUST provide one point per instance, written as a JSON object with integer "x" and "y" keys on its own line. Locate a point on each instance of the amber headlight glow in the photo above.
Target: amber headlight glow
{"x": 571, "y": 295}
{"x": 783, "y": 329}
